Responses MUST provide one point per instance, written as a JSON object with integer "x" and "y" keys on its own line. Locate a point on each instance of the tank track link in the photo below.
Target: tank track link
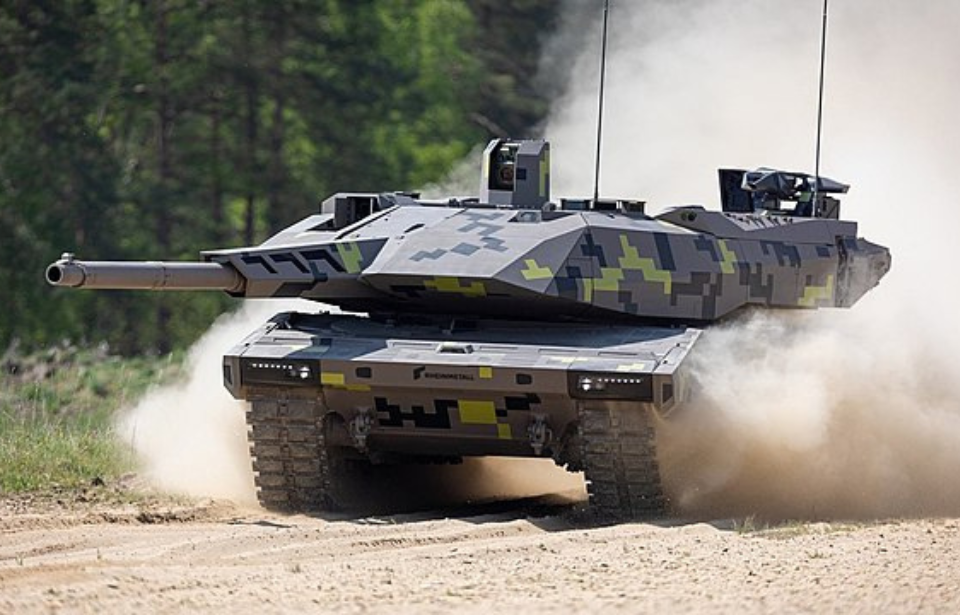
{"x": 290, "y": 459}
{"x": 618, "y": 453}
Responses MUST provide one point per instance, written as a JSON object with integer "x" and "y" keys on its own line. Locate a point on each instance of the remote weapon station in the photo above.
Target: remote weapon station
{"x": 505, "y": 324}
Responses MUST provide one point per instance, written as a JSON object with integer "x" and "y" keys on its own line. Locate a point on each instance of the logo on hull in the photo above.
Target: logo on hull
{"x": 421, "y": 372}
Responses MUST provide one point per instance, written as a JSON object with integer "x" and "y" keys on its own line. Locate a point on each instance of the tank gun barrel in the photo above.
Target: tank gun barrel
{"x": 149, "y": 275}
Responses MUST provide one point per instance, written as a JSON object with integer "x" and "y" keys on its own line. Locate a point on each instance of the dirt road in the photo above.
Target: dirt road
{"x": 214, "y": 557}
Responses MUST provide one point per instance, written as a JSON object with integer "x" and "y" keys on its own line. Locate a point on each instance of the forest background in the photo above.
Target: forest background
{"x": 153, "y": 129}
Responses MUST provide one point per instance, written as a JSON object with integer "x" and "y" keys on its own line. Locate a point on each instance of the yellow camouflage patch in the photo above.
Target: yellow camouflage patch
{"x": 450, "y": 284}
{"x": 351, "y": 257}
{"x": 610, "y": 277}
{"x": 631, "y": 260}
{"x": 544, "y": 172}
{"x": 534, "y": 271}
{"x": 815, "y": 295}
{"x": 477, "y": 412}
{"x": 729, "y": 257}
{"x": 331, "y": 379}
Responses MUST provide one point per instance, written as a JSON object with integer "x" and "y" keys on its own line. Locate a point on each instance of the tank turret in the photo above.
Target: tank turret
{"x": 512, "y": 252}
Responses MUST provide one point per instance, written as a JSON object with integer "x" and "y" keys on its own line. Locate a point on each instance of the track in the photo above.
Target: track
{"x": 295, "y": 470}
{"x": 290, "y": 461}
{"x": 620, "y": 463}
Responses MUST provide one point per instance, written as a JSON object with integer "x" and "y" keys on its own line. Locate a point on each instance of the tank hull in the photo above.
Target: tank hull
{"x": 478, "y": 388}
{"x": 407, "y": 392}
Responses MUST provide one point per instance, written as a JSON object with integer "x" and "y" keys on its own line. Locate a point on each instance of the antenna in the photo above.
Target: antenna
{"x": 823, "y": 55}
{"x": 603, "y": 69}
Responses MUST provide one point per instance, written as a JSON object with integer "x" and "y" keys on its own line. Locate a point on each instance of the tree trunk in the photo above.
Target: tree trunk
{"x": 276, "y": 208}
{"x": 216, "y": 173}
{"x": 251, "y": 96}
{"x": 161, "y": 204}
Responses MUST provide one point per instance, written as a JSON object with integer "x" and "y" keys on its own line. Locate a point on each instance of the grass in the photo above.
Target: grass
{"x": 746, "y": 525}
{"x": 40, "y": 454}
{"x": 57, "y": 409}
{"x": 789, "y": 529}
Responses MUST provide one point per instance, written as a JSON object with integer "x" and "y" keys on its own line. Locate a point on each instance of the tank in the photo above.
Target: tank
{"x": 506, "y": 324}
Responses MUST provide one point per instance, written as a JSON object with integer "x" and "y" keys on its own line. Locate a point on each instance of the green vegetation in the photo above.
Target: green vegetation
{"x": 747, "y": 525}
{"x": 153, "y": 130}
{"x": 38, "y": 454}
{"x": 790, "y": 528}
{"x": 56, "y": 415}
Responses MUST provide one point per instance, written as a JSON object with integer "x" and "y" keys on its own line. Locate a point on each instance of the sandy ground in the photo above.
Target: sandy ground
{"x": 156, "y": 555}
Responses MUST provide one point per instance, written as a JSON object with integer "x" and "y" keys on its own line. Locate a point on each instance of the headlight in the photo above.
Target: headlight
{"x": 635, "y": 387}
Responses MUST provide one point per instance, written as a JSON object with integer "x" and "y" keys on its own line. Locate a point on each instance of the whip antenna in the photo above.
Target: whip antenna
{"x": 823, "y": 55}
{"x": 603, "y": 68}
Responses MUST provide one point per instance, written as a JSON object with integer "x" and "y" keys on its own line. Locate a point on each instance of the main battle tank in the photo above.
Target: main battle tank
{"x": 506, "y": 324}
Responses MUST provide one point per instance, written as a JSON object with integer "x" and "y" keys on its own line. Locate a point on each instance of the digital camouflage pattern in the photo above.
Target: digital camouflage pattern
{"x": 504, "y": 324}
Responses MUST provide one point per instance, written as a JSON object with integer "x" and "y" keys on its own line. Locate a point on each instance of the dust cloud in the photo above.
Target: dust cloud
{"x": 191, "y": 435}
{"x": 815, "y": 415}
